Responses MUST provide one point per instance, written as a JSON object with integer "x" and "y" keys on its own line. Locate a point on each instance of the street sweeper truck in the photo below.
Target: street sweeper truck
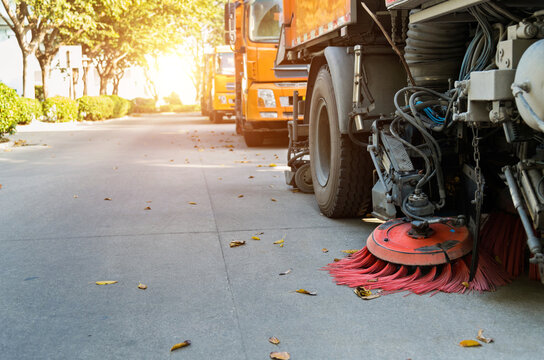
{"x": 428, "y": 114}
{"x": 217, "y": 96}
{"x": 264, "y": 92}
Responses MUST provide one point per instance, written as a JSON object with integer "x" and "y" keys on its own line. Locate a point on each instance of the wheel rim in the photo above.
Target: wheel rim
{"x": 323, "y": 144}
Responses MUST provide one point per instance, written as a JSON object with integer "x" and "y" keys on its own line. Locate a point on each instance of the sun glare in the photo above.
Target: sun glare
{"x": 174, "y": 75}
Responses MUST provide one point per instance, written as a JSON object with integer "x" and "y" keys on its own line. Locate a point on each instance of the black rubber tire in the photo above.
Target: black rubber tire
{"x": 303, "y": 179}
{"x": 253, "y": 138}
{"x": 341, "y": 171}
{"x": 216, "y": 117}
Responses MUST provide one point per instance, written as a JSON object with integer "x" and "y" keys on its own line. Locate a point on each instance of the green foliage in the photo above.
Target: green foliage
{"x": 142, "y": 105}
{"x": 29, "y": 110}
{"x": 8, "y": 109}
{"x": 60, "y": 109}
{"x": 95, "y": 108}
{"x": 179, "y": 108}
{"x": 173, "y": 99}
{"x": 121, "y": 106}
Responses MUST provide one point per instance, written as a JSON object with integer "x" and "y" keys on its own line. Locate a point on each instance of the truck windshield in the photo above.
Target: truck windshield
{"x": 225, "y": 63}
{"x": 265, "y": 20}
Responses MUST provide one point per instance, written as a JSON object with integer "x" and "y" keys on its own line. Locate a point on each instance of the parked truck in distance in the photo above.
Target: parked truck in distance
{"x": 423, "y": 110}
{"x": 218, "y": 89}
{"x": 264, "y": 92}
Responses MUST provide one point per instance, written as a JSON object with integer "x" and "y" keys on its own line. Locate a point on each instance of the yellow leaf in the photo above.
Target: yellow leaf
{"x": 142, "y": 286}
{"x": 236, "y": 243}
{"x": 274, "y": 340}
{"x": 353, "y": 251}
{"x": 106, "y": 282}
{"x": 306, "y": 292}
{"x": 280, "y": 355}
{"x": 107, "y": 199}
{"x": 251, "y": 177}
{"x": 147, "y": 208}
{"x": 365, "y": 294}
{"x": 336, "y": 260}
{"x": 256, "y": 238}
{"x": 465, "y": 284}
{"x": 281, "y": 241}
{"x": 181, "y": 345}
{"x": 286, "y": 272}
{"x": 281, "y": 245}
{"x": 469, "y": 343}
{"x": 272, "y": 165}
{"x": 259, "y": 166}
{"x": 482, "y": 338}
{"x": 148, "y": 202}
{"x": 75, "y": 196}
{"x": 240, "y": 196}
{"x": 272, "y": 199}
{"x": 325, "y": 250}
{"x": 192, "y": 203}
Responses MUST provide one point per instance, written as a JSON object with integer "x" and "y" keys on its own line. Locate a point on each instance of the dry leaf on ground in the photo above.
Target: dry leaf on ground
{"x": 352, "y": 251}
{"x": 469, "y": 343}
{"x": 106, "y": 282}
{"x": 280, "y": 241}
{"x": 75, "y": 196}
{"x": 272, "y": 199}
{"x": 306, "y": 292}
{"x": 240, "y": 196}
{"x": 256, "y": 238}
{"x": 482, "y": 338}
{"x": 251, "y": 177}
{"x": 192, "y": 203}
{"x": 236, "y": 243}
{"x": 147, "y": 208}
{"x": 19, "y": 143}
{"x": 280, "y": 355}
{"x": 336, "y": 260}
{"x": 465, "y": 284}
{"x": 272, "y": 165}
{"x": 107, "y": 199}
{"x": 286, "y": 272}
{"x": 274, "y": 340}
{"x": 365, "y": 294}
{"x": 181, "y": 345}
{"x": 325, "y": 250}
{"x": 142, "y": 286}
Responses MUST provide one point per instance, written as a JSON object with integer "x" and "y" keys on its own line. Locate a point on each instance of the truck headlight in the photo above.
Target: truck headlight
{"x": 222, "y": 99}
{"x": 267, "y": 97}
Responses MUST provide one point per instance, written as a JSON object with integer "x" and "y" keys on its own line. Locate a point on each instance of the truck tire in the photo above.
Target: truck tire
{"x": 253, "y": 138}
{"x": 341, "y": 171}
{"x": 303, "y": 179}
{"x": 216, "y": 117}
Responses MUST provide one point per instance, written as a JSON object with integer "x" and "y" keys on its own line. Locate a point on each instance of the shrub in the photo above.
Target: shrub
{"x": 95, "y": 107}
{"x": 142, "y": 105}
{"x": 166, "y": 108}
{"x": 60, "y": 109}
{"x": 8, "y": 109}
{"x": 121, "y": 107}
{"x": 29, "y": 110}
{"x": 173, "y": 99}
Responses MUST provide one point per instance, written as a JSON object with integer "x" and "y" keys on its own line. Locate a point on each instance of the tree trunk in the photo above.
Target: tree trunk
{"x": 45, "y": 65}
{"x": 28, "y": 79}
{"x": 85, "y": 73}
{"x": 103, "y": 84}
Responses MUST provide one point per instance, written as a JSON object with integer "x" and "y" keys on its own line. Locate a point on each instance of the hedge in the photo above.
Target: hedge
{"x": 95, "y": 107}
{"x": 8, "y": 109}
{"x": 29, "y": 110}
{"x": 121, "y": 106}
{"x": 142, "y": 105}
{"x": 60, "y": 109}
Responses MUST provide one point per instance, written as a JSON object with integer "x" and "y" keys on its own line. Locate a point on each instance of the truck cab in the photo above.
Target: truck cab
{"x": 218, "y": 89}
{"x": 264, "y": 101}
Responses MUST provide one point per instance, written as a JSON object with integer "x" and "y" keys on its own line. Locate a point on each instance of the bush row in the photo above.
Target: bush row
{"x": 16, "y": 110}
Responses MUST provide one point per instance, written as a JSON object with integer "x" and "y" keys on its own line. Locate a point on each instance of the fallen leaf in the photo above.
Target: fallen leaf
{"x": 274, "y": 340}
{"x": 281, "y": 241}
{"x": 192, "y": 203}
{"x": 295, "y": 190}
{"x": 259, "y": 166}
{"x": 147, "y": 208}
{"x": 107, "y": 199}
{"x": 251, "y": 177}
{"x": 482, "y": 338}
{"x": 281, "y": 245}
{"x": 306, "y": 292}
{"x": 272, "y": 199}
{"x": 148, "y": 202}
{"x": 349, "y": 251}
{"x": 325, "y": 250}
{"x": 115, "y": 167}
{"x": 365, "y": 294}
{"x": 171, "y": 160}
{"x": 286, "y": 272}
{"x": 75, "y": 196}
{"x": 19, "y": 143}
{"x": 336, "y": 260}
{"x": 236, "y": 243}
{"x": 256, "y": 238}
{"x": 261, "y": 233}
{"x": 107, "y": 282}
{"x": 220, "y": 178}
{"x": 465, "y": 284}
{"x": 181, "y": 345}
{"x": 469, "y": 343}
{"x": 280, "y": 355}
{"x": 240, "y": 196}
{"x": 142, "y": 286}
{"x": 272, "y": 165}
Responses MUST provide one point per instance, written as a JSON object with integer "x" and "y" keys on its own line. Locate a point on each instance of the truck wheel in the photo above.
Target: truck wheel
{"x": 341, "y": 171}
{"x": 303, "y": 179}
{"x": 216, "y": 117}
{"x": 253, "y": 139}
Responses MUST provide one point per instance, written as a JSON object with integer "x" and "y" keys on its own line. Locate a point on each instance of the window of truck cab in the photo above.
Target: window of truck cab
{"x": 225, "y": 63}
{"x": 265, "y": 20}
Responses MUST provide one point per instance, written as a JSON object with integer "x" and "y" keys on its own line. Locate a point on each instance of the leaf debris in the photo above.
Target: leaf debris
{"x": 306, "y": 292}
{"x": 286, "y": 272}
{"x": 280, "y": 355}
{"x": 469, "y": 343}
{"x": 365, "y": 293}
{"x": 236, "y": 243}
{"x": 142, "y": 286}
{"x": 482, "y": 338}
{"x": 274, "y": 340}
{"x": 181, "y": 345}
{"x": 106, "y": 282}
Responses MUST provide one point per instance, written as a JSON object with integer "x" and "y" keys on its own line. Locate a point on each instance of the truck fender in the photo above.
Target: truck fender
{"x": 341, "y": 67}
{"x": 316, "y": 64}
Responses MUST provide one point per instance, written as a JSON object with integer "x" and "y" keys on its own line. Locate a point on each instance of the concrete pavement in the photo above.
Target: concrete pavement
{"x": 58, "y": 236}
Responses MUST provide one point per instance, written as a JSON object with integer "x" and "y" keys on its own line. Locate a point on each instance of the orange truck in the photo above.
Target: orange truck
{"x": 217, "y": 94}
{"x": 264, "y": 101}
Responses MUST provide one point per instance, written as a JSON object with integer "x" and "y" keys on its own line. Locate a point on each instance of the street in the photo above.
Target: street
{"x": 156, "y": 200}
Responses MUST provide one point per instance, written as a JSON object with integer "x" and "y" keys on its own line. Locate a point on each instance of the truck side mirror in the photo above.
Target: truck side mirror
{"x": 230, "y": 23}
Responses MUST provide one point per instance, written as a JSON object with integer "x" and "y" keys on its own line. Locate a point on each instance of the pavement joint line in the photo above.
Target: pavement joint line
{"x": 229, "y": 284}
